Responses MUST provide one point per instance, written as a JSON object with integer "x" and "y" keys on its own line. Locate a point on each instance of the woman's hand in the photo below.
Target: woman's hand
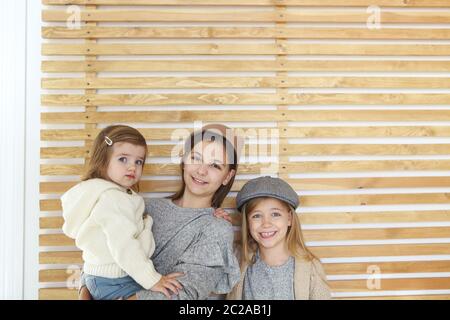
{"x": 221, "y": 213}
{"x": 168, "y": 282}
{"x": 84, "y": 294}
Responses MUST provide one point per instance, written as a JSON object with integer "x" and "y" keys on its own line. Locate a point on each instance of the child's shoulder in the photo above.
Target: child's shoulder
{"x": 96, "y": 188}
{"x": 98, "y": 184}
{"x": 219, "y": 227}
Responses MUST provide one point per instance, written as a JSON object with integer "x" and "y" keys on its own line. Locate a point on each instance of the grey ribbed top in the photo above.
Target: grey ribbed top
{"x": 192, "y": 241}
{"x": 263, "y": 282}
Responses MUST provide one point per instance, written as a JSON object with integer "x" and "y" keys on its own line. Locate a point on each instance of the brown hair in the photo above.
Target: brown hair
{"x": 101, "y": 151}
{"x": 294, "y": 236}
{"x": 210, "y": 134}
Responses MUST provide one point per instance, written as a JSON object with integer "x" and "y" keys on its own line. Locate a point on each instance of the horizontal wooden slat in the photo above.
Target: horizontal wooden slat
{"x": 90, "y": 134}
{"x": 369, "y": 199}
{"x": 370, "y": 217}
{"x": 60, "y": 257}
{"x": 286, "y": 132}
{"x": 376, "y": 234}
{"x": 74, "y": 257}
{"x": 324, "y": 218}
{"x": 61, "y": 275}
{"x": 381, "y": 250}
{"x": 172, "y": 116}
{"x": 391, "y": 284}
{"x": 365, "y": 132}
{"x": 295, "y": 167}
{"x": 265, "y": 150}
{"x": 357, "y": 166}
{"x": 314, "y": 235}
{"x": 297, "y": 184}
{"x": 144, "y": 186}
{"x": 159, "y": 82}
{"x": 245, "y": 49}
{"x": 386, "y": 267}
{"x": 158, "y": 32}
{"x": 244, "y": 82}
{"x": 244, "y": 33}
{"x": 64, "y": 152}
{"x": 363, "y": 3}
{"x": 242, "y": 99}
{"x": 72, "y": 294}
{"x": 55, "y": 204}
{"x": 51, "y": 222}
{"x": 244, "y": 65}
{"x": 327, "y": 200}
{"x": 249, "y": 116}
{"x": 55, "y": 240}
{"x": 58, "y": 294}
{"x": 149, "y": 169}
{"x": 153, "y": 151}
{"x": 230, "y": 15}
{"x": 363, "y": 149}
{"x": 58, "y": 275}
{"x": 368, "y": 183}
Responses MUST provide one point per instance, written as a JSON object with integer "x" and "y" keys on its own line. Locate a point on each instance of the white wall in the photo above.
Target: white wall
{"x": 19, "y": 145}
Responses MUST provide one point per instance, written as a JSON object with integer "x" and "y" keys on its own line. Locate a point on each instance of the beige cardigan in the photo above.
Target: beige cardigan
{"x": 309, "y": 282}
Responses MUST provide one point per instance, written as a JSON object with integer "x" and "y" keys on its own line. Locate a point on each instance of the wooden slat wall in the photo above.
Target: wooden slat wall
{"x": 362, "y": 114}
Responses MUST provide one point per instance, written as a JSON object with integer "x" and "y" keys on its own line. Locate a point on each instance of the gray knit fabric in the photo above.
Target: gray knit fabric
{"x": 192, "y": 241}
{"x": 263, "y": 282}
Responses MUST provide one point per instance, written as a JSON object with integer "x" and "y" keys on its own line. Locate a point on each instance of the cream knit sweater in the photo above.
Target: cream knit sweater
{"x": 108, "y": 225}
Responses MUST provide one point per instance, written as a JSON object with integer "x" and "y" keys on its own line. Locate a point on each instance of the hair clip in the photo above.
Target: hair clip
{"x": 108, "y": 141}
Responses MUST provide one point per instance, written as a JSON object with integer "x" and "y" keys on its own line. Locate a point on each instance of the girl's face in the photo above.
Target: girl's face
{"x": 125, "y": 164}
{"x": 268, "y": 223}
{"x": 206, "y": 169}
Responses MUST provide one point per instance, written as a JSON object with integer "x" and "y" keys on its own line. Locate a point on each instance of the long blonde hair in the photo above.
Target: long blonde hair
{"x": 294, "y": 237}
{"x": 101, "y": 151}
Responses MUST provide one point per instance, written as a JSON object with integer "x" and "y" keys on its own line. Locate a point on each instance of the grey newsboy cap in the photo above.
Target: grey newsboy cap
{"x": 267, "y": 187}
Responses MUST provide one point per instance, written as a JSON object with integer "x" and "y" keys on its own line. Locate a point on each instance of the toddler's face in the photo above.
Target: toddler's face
{"x": 268, "y": 223}
{"x": 125, "y": 165}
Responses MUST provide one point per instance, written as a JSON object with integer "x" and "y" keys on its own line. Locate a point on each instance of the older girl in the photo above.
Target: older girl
{"x": 276, "y": 264}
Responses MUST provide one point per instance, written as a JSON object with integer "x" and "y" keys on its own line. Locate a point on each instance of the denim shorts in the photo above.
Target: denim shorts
{"x": 111, "y": 289}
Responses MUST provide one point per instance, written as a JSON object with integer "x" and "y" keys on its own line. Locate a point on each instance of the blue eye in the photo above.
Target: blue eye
{"x": 139, "y": 162}
{"x": 276, "y": 214}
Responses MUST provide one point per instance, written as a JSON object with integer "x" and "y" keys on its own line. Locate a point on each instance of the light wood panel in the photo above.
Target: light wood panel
{"x": 228, "y": 55}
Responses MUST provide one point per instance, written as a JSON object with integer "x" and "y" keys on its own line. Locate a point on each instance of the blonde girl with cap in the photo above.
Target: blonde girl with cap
{"x": 105, "y": 215}
{"x": 275, "y": 263}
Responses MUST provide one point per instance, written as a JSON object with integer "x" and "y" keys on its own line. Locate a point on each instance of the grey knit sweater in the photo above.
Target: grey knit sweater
{"x": 196, "y": 243}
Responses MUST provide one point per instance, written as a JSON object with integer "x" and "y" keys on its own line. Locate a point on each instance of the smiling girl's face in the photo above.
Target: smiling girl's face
{"x": 125, "y": 164}
{"x": 268, "y": 223}
{"x": 206, "y": 169}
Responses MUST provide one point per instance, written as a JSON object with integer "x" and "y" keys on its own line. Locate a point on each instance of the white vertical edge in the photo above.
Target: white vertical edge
{"x": 32, "y": 131}
{"x": 12, "y": 146}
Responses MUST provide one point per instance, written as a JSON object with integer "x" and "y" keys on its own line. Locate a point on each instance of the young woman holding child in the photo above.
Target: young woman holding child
{"x": 191, "y": 245}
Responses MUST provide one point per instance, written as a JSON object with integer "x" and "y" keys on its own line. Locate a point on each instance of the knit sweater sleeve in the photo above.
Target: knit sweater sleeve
{"x": 319, "y": 289}
{"x": 209, "y": 266}
{"x": 115, "y": 214}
